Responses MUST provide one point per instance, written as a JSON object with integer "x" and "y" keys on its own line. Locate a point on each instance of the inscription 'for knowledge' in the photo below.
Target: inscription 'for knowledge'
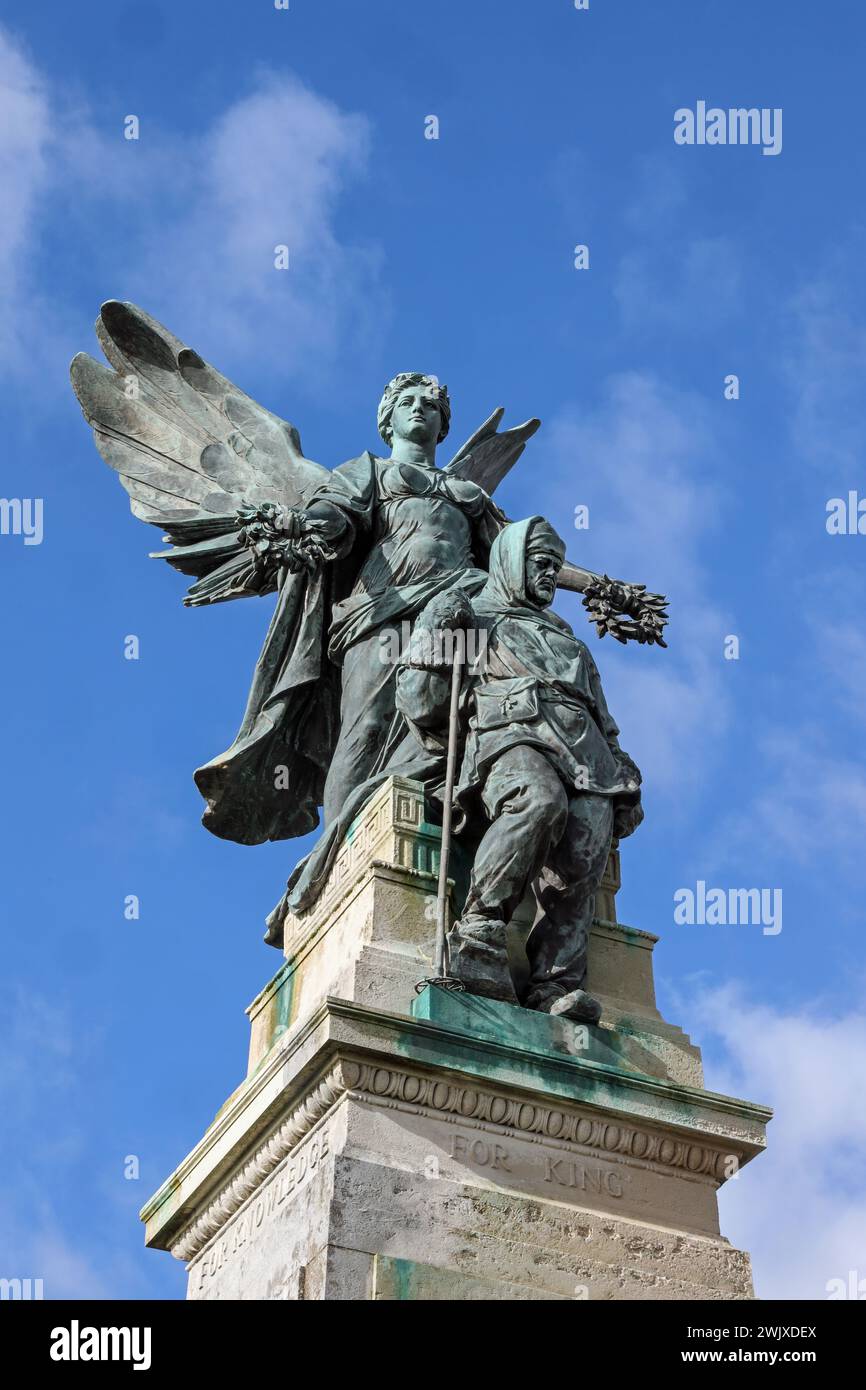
{"x": 285, "y": 1185}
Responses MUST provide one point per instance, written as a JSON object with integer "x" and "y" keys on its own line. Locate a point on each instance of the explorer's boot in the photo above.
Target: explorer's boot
{"x": 479, "y": 959}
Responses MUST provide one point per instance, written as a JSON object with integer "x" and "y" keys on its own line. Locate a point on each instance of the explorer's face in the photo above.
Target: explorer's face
{"x": 542, "y": 571}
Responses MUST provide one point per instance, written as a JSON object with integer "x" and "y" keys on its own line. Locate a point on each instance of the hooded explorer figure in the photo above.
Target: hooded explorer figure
{"x": 542, "y": 776}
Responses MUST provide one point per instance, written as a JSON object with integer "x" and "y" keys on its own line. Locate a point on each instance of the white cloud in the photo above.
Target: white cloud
{"x": 811, "y": 807}
{"x": 826, "y": 367}
{"x": 842, "y": 651}
{"x": 57, "y": 1222}
{"x": 809, "y": 766}
{"x": 672, "y": 279}
{"x": 39, "y": 1071}
{"x": 39, "y": 1047}
{"x": 37, "y": 1249}
{"x": 646, "y": 459}
{"x": 840, "y": 648}
{"x": 269, "y": 172}
{"x": 25, "y": 140}
{"x": 800, "y": 1208}
{"x": 832, "y": 604}
{"x": 26, "y": 126}
{"x": 658, "y": 195}
{"x": 188, "y": 225}
{"x": 678, "y": 283}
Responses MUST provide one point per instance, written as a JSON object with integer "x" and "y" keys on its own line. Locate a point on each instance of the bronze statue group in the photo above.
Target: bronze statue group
{"x": 378, "y": 545}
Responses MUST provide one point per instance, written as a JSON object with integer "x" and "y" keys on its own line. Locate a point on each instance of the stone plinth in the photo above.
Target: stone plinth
{"x": 394, "y": 1145}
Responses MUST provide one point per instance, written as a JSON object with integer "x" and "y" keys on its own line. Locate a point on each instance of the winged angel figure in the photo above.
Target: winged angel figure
{"x": 350, "y": 552}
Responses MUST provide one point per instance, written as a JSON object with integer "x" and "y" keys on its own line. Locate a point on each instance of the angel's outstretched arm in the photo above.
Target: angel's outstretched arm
{"x": 626, "y": 611}
{"x": 298, "y": 538}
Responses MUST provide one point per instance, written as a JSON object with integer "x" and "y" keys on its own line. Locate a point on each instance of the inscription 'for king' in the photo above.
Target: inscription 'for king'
{"x": 569, "y": 1173}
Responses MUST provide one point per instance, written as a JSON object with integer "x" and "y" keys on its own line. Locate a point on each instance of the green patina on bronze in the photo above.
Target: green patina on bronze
{"x": 162, "y": 1205}
{"x": 280, "y": 1004}
{"x": 530, "y": 1047}
{"x": 403, "y": 1272}
{"x": 486, "y": 1039}
{"x": 271, "y": 1012}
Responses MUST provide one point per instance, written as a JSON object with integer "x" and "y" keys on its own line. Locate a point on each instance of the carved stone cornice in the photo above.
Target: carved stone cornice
{"x": 414, "y": 1091}
{"x": 268, "y": 1156}
{"x": 530, "y": 1119}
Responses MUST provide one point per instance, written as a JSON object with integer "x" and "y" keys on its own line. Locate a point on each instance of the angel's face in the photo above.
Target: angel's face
{"x": 417, "y": 416}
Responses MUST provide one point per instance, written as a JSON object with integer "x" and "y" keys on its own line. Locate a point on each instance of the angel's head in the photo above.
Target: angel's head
{"x": 416, "y": 407}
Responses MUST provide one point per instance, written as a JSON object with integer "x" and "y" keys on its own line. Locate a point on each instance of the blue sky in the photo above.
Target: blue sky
{"x": 453, "y": 256}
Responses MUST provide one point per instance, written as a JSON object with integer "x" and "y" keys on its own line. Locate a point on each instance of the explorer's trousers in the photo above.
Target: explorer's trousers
{"x": 541, "y": 835}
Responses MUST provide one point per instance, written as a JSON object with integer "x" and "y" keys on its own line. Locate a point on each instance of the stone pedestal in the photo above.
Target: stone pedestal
{"x": 394, "y": 1145}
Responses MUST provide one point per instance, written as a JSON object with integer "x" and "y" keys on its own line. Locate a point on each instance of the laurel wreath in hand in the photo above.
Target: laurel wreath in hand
{"x": 626, "y": 611}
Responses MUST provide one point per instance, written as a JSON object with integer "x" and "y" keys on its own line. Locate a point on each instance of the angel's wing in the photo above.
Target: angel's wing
{"x": 487, "y": 456}
{"x": 190, "y": 448}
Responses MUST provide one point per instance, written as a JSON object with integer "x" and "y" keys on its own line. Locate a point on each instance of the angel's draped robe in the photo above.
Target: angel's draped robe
{"x": 313, "y": 733}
